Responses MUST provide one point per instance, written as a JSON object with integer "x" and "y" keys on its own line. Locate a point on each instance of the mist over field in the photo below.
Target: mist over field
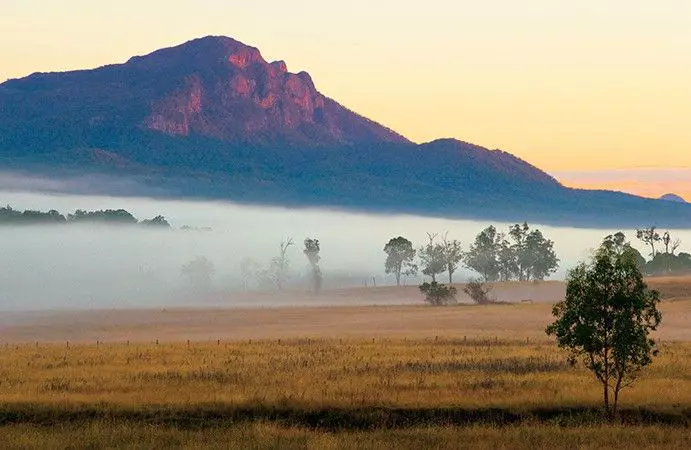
{"x": 100, "y": 266}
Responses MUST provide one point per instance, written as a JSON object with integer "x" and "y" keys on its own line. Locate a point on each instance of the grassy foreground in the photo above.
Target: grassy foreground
{"x": 430, "y": 393}
{"x": 266, "y": 436}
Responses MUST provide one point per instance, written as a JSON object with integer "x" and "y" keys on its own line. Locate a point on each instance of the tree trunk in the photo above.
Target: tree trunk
{"x": 450, "y": 277}
{"x": 606, "y": 400}
{"x": 617, "y": 388}
{"x": 398, "y": 278}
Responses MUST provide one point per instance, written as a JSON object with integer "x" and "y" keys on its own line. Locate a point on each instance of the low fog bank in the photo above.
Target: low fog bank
{"x": 101, "y": 267}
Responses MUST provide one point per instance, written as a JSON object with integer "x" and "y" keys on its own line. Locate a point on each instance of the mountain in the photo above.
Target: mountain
{"x": 673, "y": 198}
{"x": 212, "y": 119}
{"x": 214, "y": 87}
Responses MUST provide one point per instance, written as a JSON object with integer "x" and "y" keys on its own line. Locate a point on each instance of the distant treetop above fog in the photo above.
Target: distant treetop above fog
{"x": 11, "y": 216}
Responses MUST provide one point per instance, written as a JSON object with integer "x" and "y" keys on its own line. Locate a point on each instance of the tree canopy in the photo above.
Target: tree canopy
{"x": 522, "y": 254}
{"x": 199, "y": 272}
{"x": 400, "y": 257}
{"x": 432, "y": 258}
{"x": 606, "y": 319}
{"x": 311, "y": 251}
{"x": 452, "y": 255}
{"x": 483, "y": 255}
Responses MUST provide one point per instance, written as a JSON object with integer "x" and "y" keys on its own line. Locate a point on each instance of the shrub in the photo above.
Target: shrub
{"x": 479, "y": 291}
{"x": 438, "y": 294}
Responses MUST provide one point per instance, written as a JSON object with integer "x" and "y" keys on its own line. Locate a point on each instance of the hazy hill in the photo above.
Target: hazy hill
{"x": 673, "y": 198}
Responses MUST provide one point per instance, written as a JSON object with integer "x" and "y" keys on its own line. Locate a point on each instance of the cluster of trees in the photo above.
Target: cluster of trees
{"x": 520, "y": 254}
{"x": 200, "y": 271}
{"x": 663, "y": 258}
{"x": 663, "y": 261}
{"x": 11, "y": 216}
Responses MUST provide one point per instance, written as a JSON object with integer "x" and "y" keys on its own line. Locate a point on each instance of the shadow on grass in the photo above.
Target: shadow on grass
{"x": 329, "y": 419}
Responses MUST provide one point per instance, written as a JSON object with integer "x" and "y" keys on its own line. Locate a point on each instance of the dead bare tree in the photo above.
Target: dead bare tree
{"x": 280, "y": 264}
{"x": 675, "y": 245}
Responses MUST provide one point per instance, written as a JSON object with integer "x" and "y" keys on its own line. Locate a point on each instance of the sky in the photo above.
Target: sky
{"x": 596, "y": 92}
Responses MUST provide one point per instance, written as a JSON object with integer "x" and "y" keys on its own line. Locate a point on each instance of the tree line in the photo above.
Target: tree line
{"x": 663, "y": 257}
{"x": 276, "y": 273}
{"x": 11, "y": 216}
{"x": 521, "y": 253}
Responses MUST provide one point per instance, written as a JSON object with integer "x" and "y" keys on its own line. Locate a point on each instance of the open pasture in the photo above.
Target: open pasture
{"x": 327, "y": 377}
{"x": 330, "y": 394}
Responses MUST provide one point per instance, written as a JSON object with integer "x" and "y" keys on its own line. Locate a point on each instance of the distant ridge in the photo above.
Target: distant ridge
{"x": 212, "y": 119}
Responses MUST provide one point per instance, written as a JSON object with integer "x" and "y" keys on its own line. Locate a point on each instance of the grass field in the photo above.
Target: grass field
{"x": 329, "y": 377}
{"x": 330, "y": 394}
{"x": 100, "y": 434}
{"x": 322, "y": 374}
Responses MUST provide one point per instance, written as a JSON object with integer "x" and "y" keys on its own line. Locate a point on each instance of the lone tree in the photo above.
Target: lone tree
{"x": 606, "y": 318}
{"x": 278, "y": 268}
{"x": 671, "y": 246}
{"x": 199, "y": 272}
{"x": 617, "y": 242}
{"x": 483, "y": 255}
{"x": 312, "y": 252}
{"x": 649, "y": 236}
{"x": 453, "y": 255}
{"x": 400, "y": 255}
{"x": 542, "y": 261}
{"x": 432, "y": 259}
{"x": 249, "y": 269}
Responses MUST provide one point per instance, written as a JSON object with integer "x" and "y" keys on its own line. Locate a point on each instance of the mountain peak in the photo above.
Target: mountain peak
{"x": 215, "y": 87}
{"x": 226, "y": 90}
{"x": 208, "y": 49}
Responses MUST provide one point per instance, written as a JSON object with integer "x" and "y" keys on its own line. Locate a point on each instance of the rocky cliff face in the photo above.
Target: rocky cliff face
{"x": 215, "y": 87}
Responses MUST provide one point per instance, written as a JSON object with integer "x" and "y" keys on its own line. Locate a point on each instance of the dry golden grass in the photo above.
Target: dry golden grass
{"x": 290, "y": 369}
{"x": 265, "y": 436}
{"x": 325, "y": 374}
{"x": 170, "y": 395}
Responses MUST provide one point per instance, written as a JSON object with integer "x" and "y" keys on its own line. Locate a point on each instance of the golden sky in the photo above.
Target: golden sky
{"x": 569, "y": 86}
{"x": 651, "y": 182}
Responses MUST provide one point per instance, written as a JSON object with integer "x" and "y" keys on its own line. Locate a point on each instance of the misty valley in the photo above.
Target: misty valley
{"x": 96, "y": 264}
{"x": 345, "y": 225}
